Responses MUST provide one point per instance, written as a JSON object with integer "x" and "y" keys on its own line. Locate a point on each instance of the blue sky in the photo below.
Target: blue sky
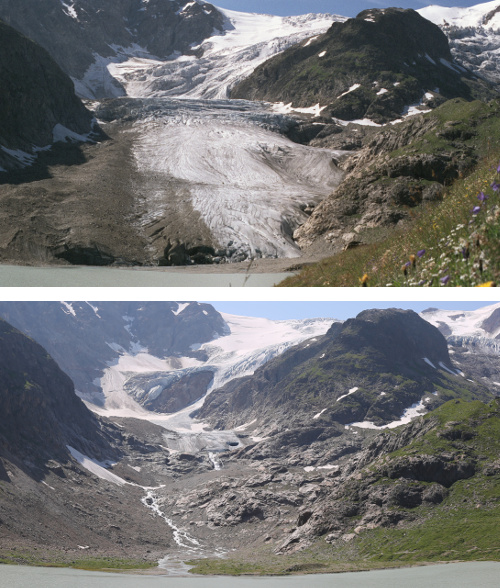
{"x": 293, "y": 7}
{"x": 339, "y": 310}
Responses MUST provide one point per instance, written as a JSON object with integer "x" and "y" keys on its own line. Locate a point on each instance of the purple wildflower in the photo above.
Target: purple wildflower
{"x": 498, "y": 169}
{"x": 482, "y": 197}
{"x": 445, "y": 280}
{"x": 495, "y": 187}
{"x": 476, "y": 209}
{"x": 407, "y": 264}
{"x": 421, "y": 253}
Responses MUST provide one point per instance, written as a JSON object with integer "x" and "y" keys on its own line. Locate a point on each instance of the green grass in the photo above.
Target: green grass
{"x": 460, "y": 248}
{"x": 60, "y": 560}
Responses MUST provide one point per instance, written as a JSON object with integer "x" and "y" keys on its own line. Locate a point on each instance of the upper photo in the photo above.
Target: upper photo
{"x": 252, "y": 143}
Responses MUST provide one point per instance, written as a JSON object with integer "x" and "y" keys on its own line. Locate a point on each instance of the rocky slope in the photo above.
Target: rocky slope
{"x": 41, "y": 414}
{"x": 374, "y": 66}
{"x": 84, "y": 36}
{"x": 38, "y": 105}
{"x": 394, "y": 169}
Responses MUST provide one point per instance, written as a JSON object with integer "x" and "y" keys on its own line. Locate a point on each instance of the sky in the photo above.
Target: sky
{"x": 334, "y": 309}
{"x": 341, "y": 7}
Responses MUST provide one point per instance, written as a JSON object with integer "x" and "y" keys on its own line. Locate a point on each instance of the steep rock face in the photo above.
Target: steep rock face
{"x": 81, "y": 33}
{"x": 373, "y": 66}
{"x": 182, "y": 393}
{"x": 35, "y": 96}
{"x": 372, "y": 369}
{"x": 86, "y": 337}
{"x": 40, "y": 412}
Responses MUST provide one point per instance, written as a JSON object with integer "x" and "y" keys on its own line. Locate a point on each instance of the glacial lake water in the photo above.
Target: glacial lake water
{"x": 462, "y": 575}
{"x": 84, "y": 276}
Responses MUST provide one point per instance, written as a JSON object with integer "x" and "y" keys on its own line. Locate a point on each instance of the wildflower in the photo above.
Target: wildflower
{"x": 476, "y": 209}
{"x": 487, "y": 285}
{"x": 363, "y": 281}
{"x": 482, "y": 196}
{"x": 495, "y": 187}
{"x": 445, "y": 280}
{"x": 498, "y": 169}
{"x": 413, "y": 260}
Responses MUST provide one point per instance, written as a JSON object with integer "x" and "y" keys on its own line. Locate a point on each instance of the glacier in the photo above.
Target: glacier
{"x": 195, "y": 149}
{"x": 248, "y": 181}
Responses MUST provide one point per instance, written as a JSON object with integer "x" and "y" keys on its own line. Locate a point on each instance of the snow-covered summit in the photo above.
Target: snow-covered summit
{"x": 474, "y": 35}
{"x": 485, "y": 15}
{"x": 484, "y": 322}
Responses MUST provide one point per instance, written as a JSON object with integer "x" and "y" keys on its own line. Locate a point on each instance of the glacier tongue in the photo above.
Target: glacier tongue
{"x": 249, "y": 183}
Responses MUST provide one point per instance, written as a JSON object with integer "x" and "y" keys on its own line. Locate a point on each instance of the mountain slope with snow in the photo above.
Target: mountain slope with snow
{"x": 474, "y": 35}
{"x": 221, "y": 60}
{"x": 375, "y": 66}
{"x": 137, "y": 378}
{"x": 38, "y": 106}
{"x": 84, "y": 36}
{"x": 380, "y": 369}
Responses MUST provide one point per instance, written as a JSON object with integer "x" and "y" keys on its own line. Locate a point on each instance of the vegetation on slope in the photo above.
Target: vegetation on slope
{"x": 454, "y": 242}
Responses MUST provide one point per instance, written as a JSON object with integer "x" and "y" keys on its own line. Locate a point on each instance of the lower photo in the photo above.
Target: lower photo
{"x": 249, "y": 444}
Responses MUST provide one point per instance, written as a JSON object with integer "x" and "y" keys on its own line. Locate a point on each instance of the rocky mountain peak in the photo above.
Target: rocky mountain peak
{"x": 400, "y": 335}
{"x": 406, "y": 29}
{"x": 374, "y": 66}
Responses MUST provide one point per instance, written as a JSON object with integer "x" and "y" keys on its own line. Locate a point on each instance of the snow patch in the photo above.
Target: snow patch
{"x": 95, "y": 309}
{"x": 322, "y": 54}
{"x": 316, "y": 416}
{"x": 351, "y": 391}
{"x": 408, "y": 415}
{"x": 62, "y": 134}
{"x": 97, "y": 468}
{"x": 428, "y": 361}
{"x": 309, "y": 41}
{"x": 69, "y": 308}
{"x": 351, "y": 89}
{"x": 69, "y": 9}
{"x": 180, "y": 308}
